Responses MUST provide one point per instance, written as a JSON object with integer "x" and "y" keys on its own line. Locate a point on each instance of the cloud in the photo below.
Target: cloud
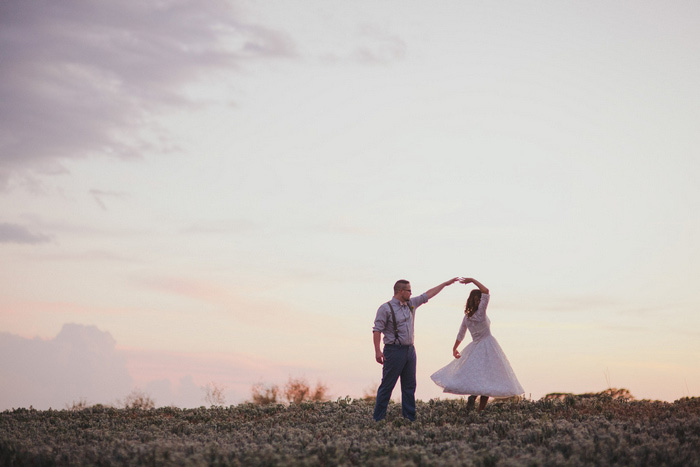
{"x": 222, "y": 227}
{"x": 185, "y": 393}
{"x": 99, "y": 195}
{"x": 250, "y": 307}
{"x": 178, "y": 378}
{"x": 185, "y": 287}
{"x": 84, "y": 363}
{"x": 369, "y": 45}
{"x": 13, "y": 233}
{"x": 379, "y": 46}
{"x": 82, "y": 78}
{"x": 80, "y": 362}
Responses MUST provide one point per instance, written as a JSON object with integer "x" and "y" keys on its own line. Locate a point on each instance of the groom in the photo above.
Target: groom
{"x": 395, "y": 319}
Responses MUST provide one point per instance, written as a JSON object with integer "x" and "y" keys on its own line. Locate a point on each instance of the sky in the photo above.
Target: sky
{"x": 224, "y": 193}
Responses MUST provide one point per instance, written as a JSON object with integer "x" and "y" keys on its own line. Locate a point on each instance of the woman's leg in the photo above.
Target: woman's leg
{"x": 482, "y": 402}
{"x": 470, "y": 402}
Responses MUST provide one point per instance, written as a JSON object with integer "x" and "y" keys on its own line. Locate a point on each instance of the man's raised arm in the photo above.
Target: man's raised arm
{"x": 436, "y": 290}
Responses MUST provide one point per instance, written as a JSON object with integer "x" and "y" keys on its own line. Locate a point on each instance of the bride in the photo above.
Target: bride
{"x": 482, "y": 368}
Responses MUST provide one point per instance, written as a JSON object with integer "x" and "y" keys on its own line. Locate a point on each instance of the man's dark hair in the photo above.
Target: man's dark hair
{"x": 400, "y": 285}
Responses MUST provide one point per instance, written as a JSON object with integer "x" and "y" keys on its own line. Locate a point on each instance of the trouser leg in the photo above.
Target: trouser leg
{"x": 408, "y": 385}
{"x": 391, "y": 370}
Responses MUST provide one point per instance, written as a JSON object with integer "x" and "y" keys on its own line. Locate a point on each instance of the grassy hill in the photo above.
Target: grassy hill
{"x": 597, "y": 429}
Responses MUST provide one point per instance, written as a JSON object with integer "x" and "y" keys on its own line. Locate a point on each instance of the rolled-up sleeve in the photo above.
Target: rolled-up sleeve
{"x": 380, "y": 319}
{"x": 419, "y": 300}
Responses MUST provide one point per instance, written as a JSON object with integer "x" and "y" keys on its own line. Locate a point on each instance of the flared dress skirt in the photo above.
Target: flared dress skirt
{"x": 483, "y": 370}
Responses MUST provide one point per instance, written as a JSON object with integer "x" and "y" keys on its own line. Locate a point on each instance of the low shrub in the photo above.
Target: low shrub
{"x": 590, "y": 431}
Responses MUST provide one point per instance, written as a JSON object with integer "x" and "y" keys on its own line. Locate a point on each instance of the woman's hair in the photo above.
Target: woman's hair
{"x": 472, "y": 302}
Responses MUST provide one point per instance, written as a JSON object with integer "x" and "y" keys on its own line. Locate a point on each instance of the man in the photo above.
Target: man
{"x": 395, "y": 319}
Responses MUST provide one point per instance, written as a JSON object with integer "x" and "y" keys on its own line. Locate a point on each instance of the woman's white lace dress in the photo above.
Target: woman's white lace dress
{"x": 483, "y": 368}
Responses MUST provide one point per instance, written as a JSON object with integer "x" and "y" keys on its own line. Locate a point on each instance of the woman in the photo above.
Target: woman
{"x": 481, "y": 368}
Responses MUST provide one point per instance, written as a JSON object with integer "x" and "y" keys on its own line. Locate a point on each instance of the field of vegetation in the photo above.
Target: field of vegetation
{"x": 593, "y": 429}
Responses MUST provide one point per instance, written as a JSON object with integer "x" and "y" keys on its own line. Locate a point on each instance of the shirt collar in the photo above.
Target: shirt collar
{"x": 396, "y": 300}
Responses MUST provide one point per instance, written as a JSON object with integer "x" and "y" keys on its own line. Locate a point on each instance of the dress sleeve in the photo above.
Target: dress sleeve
{"x": 483, "y": 304}
{"x": 463, "y": 329}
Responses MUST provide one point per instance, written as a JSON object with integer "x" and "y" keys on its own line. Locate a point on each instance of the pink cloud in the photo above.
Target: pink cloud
{"x": 24, "y": 307}
{"x": 247, "y": 310}
{"x": 80, "y": 362}
{"x": 84, "y": 75}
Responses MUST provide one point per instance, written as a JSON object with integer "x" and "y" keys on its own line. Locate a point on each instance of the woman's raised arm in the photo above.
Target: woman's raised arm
{"x": 481, "y": 286}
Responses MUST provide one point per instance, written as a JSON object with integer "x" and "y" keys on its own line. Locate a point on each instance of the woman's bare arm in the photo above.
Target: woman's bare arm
{"x": 455, "y": 352}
